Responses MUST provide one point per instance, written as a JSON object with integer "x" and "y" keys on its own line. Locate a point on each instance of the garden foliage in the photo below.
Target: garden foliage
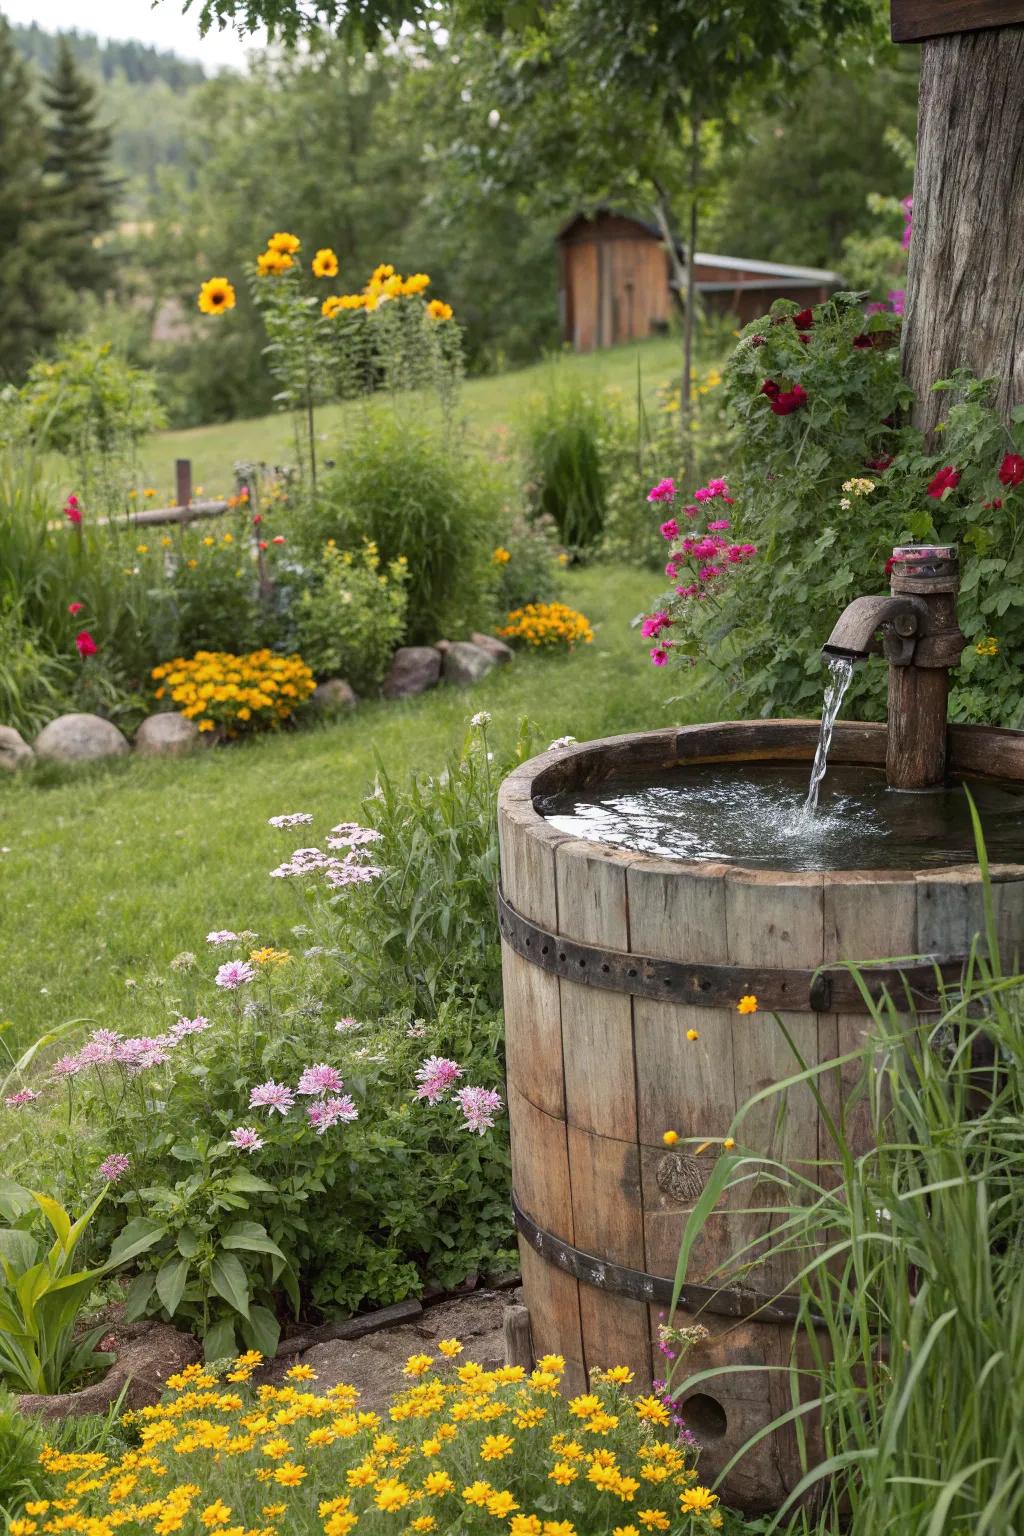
{"x": 350, "y": 622}
{"x": 826, "y": 479}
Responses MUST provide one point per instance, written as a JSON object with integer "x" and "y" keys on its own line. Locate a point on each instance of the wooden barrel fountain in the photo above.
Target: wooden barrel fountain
{"x": 610, "y": 958}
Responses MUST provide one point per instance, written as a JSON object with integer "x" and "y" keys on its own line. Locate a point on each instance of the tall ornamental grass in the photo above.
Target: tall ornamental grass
{"x": 913, "y": 1264}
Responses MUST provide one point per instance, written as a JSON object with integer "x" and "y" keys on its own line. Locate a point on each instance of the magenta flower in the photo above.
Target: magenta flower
{"x": 66, "y": 1066}
{"x": 272, "y": 1096}
{"x": 246, "y": 1139}
{"x": 718, "y": 524}
{"x": 221, "y": 936}
{"x": 327, "y": 1112}
{"x": 479, "y": 1107}
{"x": 663, "y": 491}
{"x": 72, "y": 510}
{"x": 142, "y": 1051}
{"x": 20, "y": 1099}
{"x": 114, "y": 1166}
{"x": 235, "y": 974}
{"x": 671, "y": 570}
{"x": 320, "y": 1079}
{"x": 435, "y": 1076}
{"x": 292, "y": 819}
{"x": 670, "y": 530}
{"x": 654, "y": 624}
{"x": 659, "y": 655}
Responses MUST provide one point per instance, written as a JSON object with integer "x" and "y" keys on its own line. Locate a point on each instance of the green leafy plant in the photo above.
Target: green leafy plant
{"x": 407, "y": 490}
{"x": 528, "y": 562}
{"x": 562, "y": 437}
{"x": 352, "y": 621}
{"x": 42, "y": 1294}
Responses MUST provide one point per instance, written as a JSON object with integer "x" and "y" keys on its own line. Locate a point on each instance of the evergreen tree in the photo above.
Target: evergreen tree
{"x": 82, "y": 193}
{"x": 31, "y": 309}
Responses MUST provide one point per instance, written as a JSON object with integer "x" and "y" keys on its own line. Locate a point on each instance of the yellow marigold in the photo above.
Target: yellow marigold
{"x": 416, "y": 283}
{"x": 217, "y": 1513}
{"x": 495, "y": 1447}
{"x": 438, "y": 310}
{"x": 449, "y": 1347}
{"x": 525, "y": 1525}
{"x": 216, "y": 295}
{"x": 625, "y": 1530}
{"x": 270, "y": 956}
{"x": 747, "y": 1004}
{"x": 288, "y": 245}
{"x": 332, "y": 306}
{"x": 390, "y": 1495}
{"x": 620, "y": 1374}
{"x": 501, "y": 556}
{"x": 563, "y": 1473}
{"x": 382, "y": 272}
{"x": 325, "y": 263}
{"x": 651, "y": 1410}
{"x": 341, "y": 1523}
{"x": 423, "y": 1523}
{"x": 501, "y": 1505}
{"x": 477, "y": 1493}
{"x": 417, "y": 1365}
{"x": 654, "y": 1519}
{"x": 670, "y": 1138}
{"x": 436, "y": 1483}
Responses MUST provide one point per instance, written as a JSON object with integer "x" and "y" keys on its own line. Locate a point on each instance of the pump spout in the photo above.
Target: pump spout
{"x": 901, "y": 618}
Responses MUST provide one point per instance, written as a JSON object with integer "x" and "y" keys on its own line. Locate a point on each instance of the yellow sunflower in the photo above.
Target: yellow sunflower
{"x": 285, "y": 244}
{"x": 325, "y": 263}
{"x": 216, "y": 295}
{"x": 272, "y": 263}
{"x": 437, "y": 309}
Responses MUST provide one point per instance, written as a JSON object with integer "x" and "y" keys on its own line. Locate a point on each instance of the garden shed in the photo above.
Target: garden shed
{"x": 616, "y": 281}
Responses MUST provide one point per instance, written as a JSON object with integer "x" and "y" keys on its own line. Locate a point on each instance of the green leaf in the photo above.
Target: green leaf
{"x": 137, "y": 1300}
{"x": 220, "y": 1342}
{"x": 249, "y": 1184}
{"x": 187, "y": 1243}
{"x": 135, "y": 1238}
{"x": 229, "y": 1281}
{"x": 249, "y": 1235}
{"x": 170, "y": 1281}
{"x": 262, "y": 1331}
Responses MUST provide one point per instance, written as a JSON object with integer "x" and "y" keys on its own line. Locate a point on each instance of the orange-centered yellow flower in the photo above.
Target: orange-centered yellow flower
{"x": 325, "y": 263}
{"x": 284, "y": 243}
{"x": 216, "y": 295}
{"x": 438, "y": 310}
{"x": 747, "y": 1004}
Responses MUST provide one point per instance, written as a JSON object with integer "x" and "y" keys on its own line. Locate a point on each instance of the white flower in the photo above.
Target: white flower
{"x": 481, "y": 718}
{"x": 561, "y": 741}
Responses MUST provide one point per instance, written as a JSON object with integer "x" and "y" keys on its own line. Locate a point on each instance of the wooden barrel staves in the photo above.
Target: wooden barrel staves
{"x": 610, "y": 957}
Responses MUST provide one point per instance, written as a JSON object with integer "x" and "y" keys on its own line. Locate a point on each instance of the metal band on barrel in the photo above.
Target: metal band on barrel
{"x": 729, "y": 1301}
{"x": 830, "y": 989}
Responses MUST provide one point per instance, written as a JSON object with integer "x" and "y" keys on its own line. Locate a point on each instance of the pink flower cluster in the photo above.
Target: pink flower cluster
{"x": 321, "y": 1083}
{"x": 234, "y": 974}
{"x": 439, "y": 1074}
{"x": 114, "y": 1166}
{"x": 708, "y": 555}
{"x": 20, "y": 1099}
{"x": 106, "y": 1047}
{"x": 351, "y": 870}
{"x": 292, "y": 819}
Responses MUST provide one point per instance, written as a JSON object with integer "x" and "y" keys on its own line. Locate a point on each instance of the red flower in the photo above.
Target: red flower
{"x": 263, "y": 543}
{"x": 889, "y": 565}
{"x": 803, "y": 319}
{"x": 945, "y": 480}
{"x": 1011, "y": 470}
{"x": 72, "y": 511}
{"x": 788, "y": 400}
{"x": 257, "y": 518}
{"x": 770, "y": 388}
{"x": 86, "y": 644}
{"x": 803, "y": 336}
{"x": 758, "y": 340}
{"x": 278, "y": 538}
{"x": 74, "y": 608}
{"x": 992, "y": 506}
{"x": 882, "y": 462}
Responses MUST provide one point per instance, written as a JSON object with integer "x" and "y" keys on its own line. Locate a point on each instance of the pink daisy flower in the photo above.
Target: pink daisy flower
{"x": 272, "y": 1096}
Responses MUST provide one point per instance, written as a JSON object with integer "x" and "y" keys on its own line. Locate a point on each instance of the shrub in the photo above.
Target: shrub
{"x": 214, "y": 592}
{"x": 35, "y": 684}
{"x": 351, "y": 622}
{"x": 527, "y": 561}
{"x": 235, "y": 693}
{"x": 406, "y": 490}
{"x": 562, "y": 438}
{"x": 460, "y": 1443}
{"x": 548, "y": 626}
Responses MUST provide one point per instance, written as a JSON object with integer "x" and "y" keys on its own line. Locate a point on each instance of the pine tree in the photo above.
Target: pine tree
{"x": 82, "y": 193}
{"x": 31, "y": 308}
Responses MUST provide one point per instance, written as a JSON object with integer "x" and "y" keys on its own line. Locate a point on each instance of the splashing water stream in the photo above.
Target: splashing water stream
{"x": 840, "y": 677}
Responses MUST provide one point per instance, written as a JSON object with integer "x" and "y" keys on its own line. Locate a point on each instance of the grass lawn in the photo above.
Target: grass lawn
{"x": 487, "y": 403}
{"x": 109, "y": 869}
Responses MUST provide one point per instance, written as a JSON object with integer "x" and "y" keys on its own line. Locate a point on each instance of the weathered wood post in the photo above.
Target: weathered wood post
{"x": 183, "y": 481}
{"x": 965, "y": 284}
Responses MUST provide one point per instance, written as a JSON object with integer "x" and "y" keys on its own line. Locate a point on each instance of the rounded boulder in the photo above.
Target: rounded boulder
{"x": 80, "y": 739}
{"x": 166, "y": 735}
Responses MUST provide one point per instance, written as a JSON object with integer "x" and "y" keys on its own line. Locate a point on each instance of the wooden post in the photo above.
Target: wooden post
{"x": 965, "y": 284}
{"x": 183, "y": 480}
{"x": 515, "y": 1327}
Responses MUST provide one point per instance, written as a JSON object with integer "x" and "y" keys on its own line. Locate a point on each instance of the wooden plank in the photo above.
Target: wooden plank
{"x": 533, "y": 1033}
{"x": 914, "y": 20}
{"x": 515, "y": 1330}
{"x": 527, "y": 859}
{"x": 605, "y": 1178}
{"x": 774, "y": 918}
{"x": 597, "y": 1027}
{"x": 986, "y": 750}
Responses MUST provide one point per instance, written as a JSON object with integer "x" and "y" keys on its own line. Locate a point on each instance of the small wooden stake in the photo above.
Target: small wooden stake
{"x": 515, "y": 1326}
{"x": 183, "y": 480}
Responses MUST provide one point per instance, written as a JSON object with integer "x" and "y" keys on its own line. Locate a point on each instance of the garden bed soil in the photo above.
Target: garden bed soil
{"x": 147, "y": 1353}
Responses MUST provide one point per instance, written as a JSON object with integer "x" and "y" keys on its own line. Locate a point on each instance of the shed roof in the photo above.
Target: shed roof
{"x": 747, "y": 264}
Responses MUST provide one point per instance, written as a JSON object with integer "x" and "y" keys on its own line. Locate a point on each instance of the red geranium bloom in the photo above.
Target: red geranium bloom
{"x": 74, "y": 608}
{"x": 992, "y": 506}
{"x": 86, "y": 644}
{"x": 72, "y": 511}
{"x": 257, "y": 518}
{"x": 263, "y": 543}
{"x": 770, "y": 388}
{"x": 788, "y": 400}
{"x": 882, "y": 462}
{"x": 945, "y": 480}
{"x": 1011, "y": 470}
{"x": 278, "y": 538}
{"x": 803, "y": 319}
